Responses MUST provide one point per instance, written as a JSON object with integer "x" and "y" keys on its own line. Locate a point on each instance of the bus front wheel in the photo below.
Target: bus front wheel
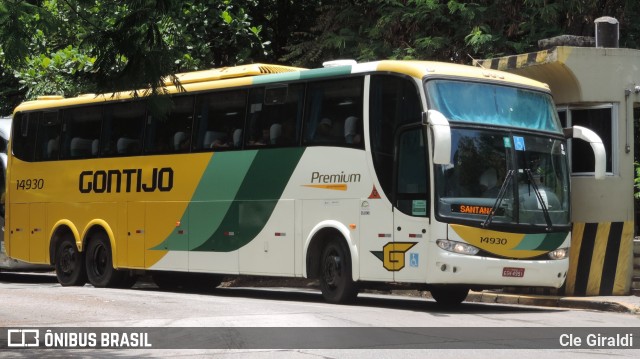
{"x": 69, "y": 264}
{"x": 99, "y": 263}
{"x": 336, "y": 283}
{"x": 449, "y": 296}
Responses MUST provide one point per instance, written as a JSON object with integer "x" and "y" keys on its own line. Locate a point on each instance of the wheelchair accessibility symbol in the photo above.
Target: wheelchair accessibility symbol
{"x": 414, "y": 259}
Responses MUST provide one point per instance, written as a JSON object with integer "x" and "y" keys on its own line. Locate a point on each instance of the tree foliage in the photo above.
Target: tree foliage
{"x": 67, "y": 47}
{"x": 452, "y": 30}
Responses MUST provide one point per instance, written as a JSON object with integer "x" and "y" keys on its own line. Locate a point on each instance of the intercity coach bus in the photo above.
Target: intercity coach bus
{"x": 435, "y": 176}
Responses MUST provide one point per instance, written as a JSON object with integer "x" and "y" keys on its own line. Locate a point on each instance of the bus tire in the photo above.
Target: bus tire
{"x": 69, "y": 264}
{"x": 449, "y": 296}
{"x": 336, "y": 282}
{"x": 99, "y": 262}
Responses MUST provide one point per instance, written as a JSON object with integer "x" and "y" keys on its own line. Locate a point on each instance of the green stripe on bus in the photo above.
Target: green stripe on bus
{"x": 255, "y": 201}
{"x": 212, "y": 198}
{"x": 542, "y": 242}
{"x": 530, "y": 242}
{"x": 325, "y": 72}
{"x": 283, "y": 77}
{"x": 302, "y": 75}
{"x": 552, "y": 241}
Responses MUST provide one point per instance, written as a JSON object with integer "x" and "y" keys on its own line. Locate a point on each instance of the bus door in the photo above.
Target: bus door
{"x": 407, "y": 256}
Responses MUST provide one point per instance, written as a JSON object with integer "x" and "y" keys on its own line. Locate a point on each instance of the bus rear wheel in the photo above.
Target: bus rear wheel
{"x": 336, "y": 282}
{"x": 69, "y": 264}
{"x": 99, "y": 263}
{"x": 449, "y": 296}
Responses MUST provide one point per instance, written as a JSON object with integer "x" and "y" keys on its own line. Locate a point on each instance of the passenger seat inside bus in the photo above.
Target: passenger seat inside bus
{"x": 237, "y": 138}
{"x": 212, "y": 137}
{"x": 179, "y": 139}
{"x": 351, "y": 135}
{"x": 275, "y": 132}
{"x": 52, "y": 149}
{"x": 82, "y": 147}
{"x": 127, "y": 146}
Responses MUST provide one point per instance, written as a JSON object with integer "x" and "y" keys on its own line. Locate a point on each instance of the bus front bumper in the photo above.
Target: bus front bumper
{"x": 451, "y": 268}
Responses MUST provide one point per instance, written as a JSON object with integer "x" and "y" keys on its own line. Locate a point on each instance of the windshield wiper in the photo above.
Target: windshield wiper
{"x": 498, "y": 202}
{"x": 545, "y": 210}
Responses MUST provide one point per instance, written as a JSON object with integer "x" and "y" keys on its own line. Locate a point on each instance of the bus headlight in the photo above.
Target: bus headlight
{"x": 560, "y": 253}
{"x": 457, "y": 247}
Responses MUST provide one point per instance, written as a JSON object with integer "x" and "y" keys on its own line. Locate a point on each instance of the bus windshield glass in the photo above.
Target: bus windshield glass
{"x": 492, "y": 104}
{"x": 501, "y": 178}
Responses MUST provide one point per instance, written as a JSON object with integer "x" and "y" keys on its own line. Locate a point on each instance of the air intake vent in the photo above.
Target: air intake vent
{"x": 231, "y": 72}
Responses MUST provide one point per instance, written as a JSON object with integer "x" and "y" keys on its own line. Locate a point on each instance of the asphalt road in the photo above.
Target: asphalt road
{"x": 37, "y": 301}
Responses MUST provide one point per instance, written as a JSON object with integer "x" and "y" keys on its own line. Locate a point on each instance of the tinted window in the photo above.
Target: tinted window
{"x": 24, "y": 134}
{"x": 220, "y": 120}
{"x": 81, "y": 132}
{"x": 275, "y": 116}
{"x": 122, "y": 129}
{"x": 411, "y": 191}
{"x": 171, "y": 131}
{"x": 394, "y": 102}
{"x": 48, "y": 139}
{"x": 334, "y": 113}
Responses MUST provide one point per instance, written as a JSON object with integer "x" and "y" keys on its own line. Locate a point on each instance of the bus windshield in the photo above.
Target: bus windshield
{"x": 504, "y": 178}
{"x": 492, "y": 104}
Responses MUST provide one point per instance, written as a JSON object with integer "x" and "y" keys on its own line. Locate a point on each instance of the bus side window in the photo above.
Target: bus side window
{"x": 394, "y": 102}
{"x": 219, "y": 114}
{"x": 257, "y": 129}
{"x": 170, "y": 131}
{"x": 412, "y": 179}
{"x": 123, "y": 128}
{"x": 48, "y": 139}
{"x": 284, "y": 117}
{"x": 334, "y": 112}
{"x": 24, "y": 135}
{"x": 81, "y": 132}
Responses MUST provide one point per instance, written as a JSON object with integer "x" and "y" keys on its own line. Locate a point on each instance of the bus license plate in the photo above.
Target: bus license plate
{"x": 513, "y": 272}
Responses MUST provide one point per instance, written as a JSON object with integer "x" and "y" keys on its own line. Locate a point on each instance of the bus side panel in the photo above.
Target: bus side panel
{"x": 166, "y": 220}
{"x": 38, "y": 241}
{"x": 19, "y": 246}
{"x": 376, "y": 231}
{"x": 272, "y": 251}
{"x": 215, "y": 221}
{"x": 135, "y": 236}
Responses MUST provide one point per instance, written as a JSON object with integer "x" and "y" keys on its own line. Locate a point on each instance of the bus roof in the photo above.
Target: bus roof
{"x": 252, "y": 74}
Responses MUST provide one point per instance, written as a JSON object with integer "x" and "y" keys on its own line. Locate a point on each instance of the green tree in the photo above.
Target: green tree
{"x": 452, "y": 30}
{"x": 70, "y": 46}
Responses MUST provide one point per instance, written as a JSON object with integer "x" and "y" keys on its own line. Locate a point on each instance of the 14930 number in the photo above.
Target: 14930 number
{"x": 30, "y": 184}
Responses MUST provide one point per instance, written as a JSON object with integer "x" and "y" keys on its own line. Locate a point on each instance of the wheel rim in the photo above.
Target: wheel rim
{"x": 68, "y": 260}
{"x": 332, "y": 269}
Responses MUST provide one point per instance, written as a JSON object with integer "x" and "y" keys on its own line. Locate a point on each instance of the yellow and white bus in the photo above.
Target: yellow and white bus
{"x": 436, "y": 176}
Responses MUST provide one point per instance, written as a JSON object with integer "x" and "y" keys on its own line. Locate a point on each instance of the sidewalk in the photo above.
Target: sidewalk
{"x": 622, "y": 304}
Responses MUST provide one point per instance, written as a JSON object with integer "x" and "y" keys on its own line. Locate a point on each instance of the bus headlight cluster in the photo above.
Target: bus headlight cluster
{"x": 560, "y": 253}
{"x": 457, "y": 247}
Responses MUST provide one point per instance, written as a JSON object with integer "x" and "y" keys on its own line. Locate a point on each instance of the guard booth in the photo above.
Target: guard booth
{"x": 598, "y": 88}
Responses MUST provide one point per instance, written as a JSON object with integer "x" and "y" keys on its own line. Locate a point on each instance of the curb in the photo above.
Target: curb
{"x": 553, "y": 301}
